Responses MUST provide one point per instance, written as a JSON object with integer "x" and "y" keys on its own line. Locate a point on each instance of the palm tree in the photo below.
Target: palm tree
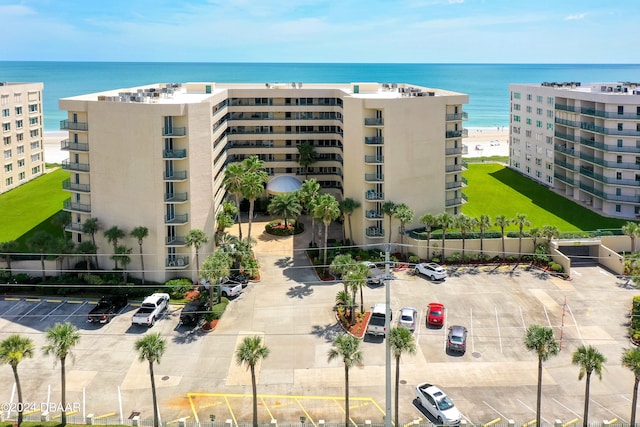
{"x": 91, "y": 227}
{"x": 484, "y": 222}
{"x": 8, "y": 248}
{"x": 347, "y": 207}
{"x": 225, "y": 219}
{"x": 86, "y": 248}
{"x": 215, "y": 268}
{"x": 541, "y": 340}
{"x": 252, "y": 188}
{"x": 356, "y": 279}
{"x": 464, "y": 223}
{"x": 151, "y": 348}
{"x": 446, "y": 221}
{"x": 233, "y": 182}
{"x": 502, "y": 222}
{"x": 521, "y": 221}
{"x": 122, "y": 255}
{"x": 347, "y": 348}
{"x": 307, "y": 195}
{"x": 113, "y": 235}
{"x": 13, "y": 350}
{"x": 196, "y": 238}
{"x": 590, "y": 360}
{"x": 549, "y": 232}
{"x": 429, "y": 222}
{"x": 62, "y": 247}
{"x": 631, "y": 230}
{"x": 631, "y": 360}
{"x": 404, "y": 214}
{"x": 535, "y": 233}
{"x": 327, "y": 209}
{"x": 250, "y": 353}
{"x": 387, "y": 209}
{"x": 140, "y": 233}
{"x": 306, "y": 156}
{"x": 341, "y": 265}
{"x": 285, "y": 205}
{"x": 253, "y": 164}
{"x": 62, "y": 219}
{"x": 401, "y": 342}
{"x": 61, "y": 338}
{"x": 40, "y": 242}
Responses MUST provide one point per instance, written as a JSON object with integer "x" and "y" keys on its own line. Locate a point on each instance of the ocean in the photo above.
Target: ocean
{"x": 486, "y": 84}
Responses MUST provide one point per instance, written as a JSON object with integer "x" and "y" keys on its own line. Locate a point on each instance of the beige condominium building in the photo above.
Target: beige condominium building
{"x": 581, "y": 140}
{"x": 22, "y": 137}
{"x": 155, "y": 156}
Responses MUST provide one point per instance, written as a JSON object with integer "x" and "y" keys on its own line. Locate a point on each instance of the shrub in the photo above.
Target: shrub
{"x": 554, "y": 266}
{"x": 276, "y": 228}
{"x": 177, "y": 288}
{"x": 414, "y": 259}
{"x": 454, "y": 258}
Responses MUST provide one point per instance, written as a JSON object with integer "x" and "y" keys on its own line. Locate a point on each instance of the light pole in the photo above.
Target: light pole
{"x": 387, "y": 327}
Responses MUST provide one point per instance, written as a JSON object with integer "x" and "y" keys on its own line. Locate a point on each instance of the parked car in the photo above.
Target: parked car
{"x": 192, "y": 312}
{"x": 107, "y": 308}
{"x": 457, "y": 339}
{"x": 435, "y": 314}
{"x": 377, "y": 321}
{"x": 438, "y": 404}
{"x": 408, "y": 318}
{"x": 228, "y": 288}
{"x": 432, "y": 270}
{"x": 151, "y": 309}
{"x": 375, "y": 276}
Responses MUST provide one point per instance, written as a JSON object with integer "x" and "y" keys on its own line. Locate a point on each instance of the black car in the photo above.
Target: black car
{"x": 193, "y": 312}
{"x": 107, "y": 308}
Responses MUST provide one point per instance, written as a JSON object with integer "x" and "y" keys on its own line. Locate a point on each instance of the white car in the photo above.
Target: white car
{"x": 438, "y": 404}
{"x": 432, "y": 270}
{"x": 408, "y": 318}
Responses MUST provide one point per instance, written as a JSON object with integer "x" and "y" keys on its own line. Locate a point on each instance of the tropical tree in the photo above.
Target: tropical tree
{"x": 446, "y": 221}
{"x": 521, "y": 221}
{"x": 40, "y": 242}
{"x": 541, "y": 340}
{"x": 464, "y": 223}
{"x": 13, "y": 350}
{"x": 484, "y": 222}
{"x": 285, "y": 205}
{"x": 631, "y": 230}
{"x": 250, "y": 353}
{"x": 549, "y": 232}
{"x": 87, "y": 248}
{"x": 62, "y": 219}
{"x": 62, "y": 247}
{"x": 341, "y": 265}
{"x": 61, "y": 338}
{"x": 215, "y": 268}
{"x": 347, "y": 207}
{"x": 401, "y": 342}
{"x": 122, "y": 256}
{"x": 356, "y": 279}
{"x": 535, "y": 233}
{"x": 252, "y": 188}
{"x": 225, "y": 219}
{"x": 327, "y": 209}
{"x": 307, "y": 195}
{"x": 8, "y": 248}
{"x": 91, "y": 226}
{"x": 253, "y": 164}
{"x": 590, "y": 360}
{"x": 404, "y": 214}
{"x": 429, "y": 221}
{"x": 502, "y": 222}
{"x": 196, "y": 238}
{"x": 140, "y": 233}
{"x": 306, "y": 156}
{"x": 631, "y": 360}
{"x": 151, "y": 347}
{"x": 233, "y": 182}
{"x": 113, "y": 236}
{"x": 347, "y": 348}
{"x": 387, "y": 209}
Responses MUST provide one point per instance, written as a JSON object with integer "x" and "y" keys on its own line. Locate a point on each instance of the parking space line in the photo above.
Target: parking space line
{"x": 567, "y": 408}
{"x": 13, "y": 307}
{"x": 473, "y": 347}
{"x": 495, "y": 410}
{"x": 266, "y": 407}
{"x": 233, "y": 415}
{"x": 309, "y": 418}
{"x": 498, "y": 326}
{"x": 576, "y": 324}
{"x": 625, "y": 398}
{"x": 27, "y": 313}
{"x": 547, "y": 315}
{"x": 49, "y": 313}
{"x": 532, "y": 410}
{"x": 609, "y": 411}
{"x": 74, "y": 312}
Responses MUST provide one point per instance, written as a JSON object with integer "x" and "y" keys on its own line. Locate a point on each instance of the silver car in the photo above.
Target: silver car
{"x": 408, "y": 318}
{"x": 457, "y": 339}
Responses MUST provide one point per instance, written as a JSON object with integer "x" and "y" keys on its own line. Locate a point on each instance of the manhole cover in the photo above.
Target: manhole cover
{"x": 476, "y": 354}
{"x": 165, "y": 378}
{"x": 134, "y": 414}
{"x": 403, "y": 381}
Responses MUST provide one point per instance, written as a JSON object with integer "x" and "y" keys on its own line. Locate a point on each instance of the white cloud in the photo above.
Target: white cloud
{"x": 575, "y": 17}
{"x": 15, "y": 10}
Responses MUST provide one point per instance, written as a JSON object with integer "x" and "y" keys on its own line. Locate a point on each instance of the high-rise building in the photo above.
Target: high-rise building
{"x": 581, "y": 140}
{"x": 22, "y": 137}
{"x": 155, "y": 156}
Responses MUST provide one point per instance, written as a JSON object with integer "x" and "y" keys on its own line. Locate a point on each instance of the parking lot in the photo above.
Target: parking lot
{"x": 198, "y": 376}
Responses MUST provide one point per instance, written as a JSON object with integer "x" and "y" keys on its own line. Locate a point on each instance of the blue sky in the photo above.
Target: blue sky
{"x": 402, "y": 31}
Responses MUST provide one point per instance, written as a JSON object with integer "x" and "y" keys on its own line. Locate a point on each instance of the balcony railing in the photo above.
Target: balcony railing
{"x": 74, "y": 206}
{"x": 69, "y": 125}
{"x": 175, "y": 131}
{"x": 373, "y": 140}
{"x": 175, "y": 197}
{"x": 453, "y": 202}
{"x": 176, "y": 219}
{"x": 373, "y": 214}
{"x": 609, "y": 114}
{"x": 373, "y": 121}
{"x": 453, "y": 151}
{"x": 374, "y": 232}
{"x": 610, "y": 197}
{"x": 460, "y": 116}
{"x": 73, "y": 186}
{"x": 566, "y": 136}
{"x": 374, "y": 159}
{"x": 373, "y": 177}
{"x": 174, "y": 175}
{"x": 72, "y": 166}
{"x": 175, "y": 241}
{"x": 457, "y": 133}
{"x": 564, "y": 164}
{"x": 67, "y": 144}
{"x": 608, "y": 163}
{"x": 174, "y": 154}
{"x": 74, "y": 227}
{"x": 453, "y": 185}
{"x": 563, "y": 178}
{"x": 373, "y": 195}
{"x": 563, "y": 149}
{"x": 453, "y": 168}
{"x": 177, "y": 262}
{"x": 608, "y": 180}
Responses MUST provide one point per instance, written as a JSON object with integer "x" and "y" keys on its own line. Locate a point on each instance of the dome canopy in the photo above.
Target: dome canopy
{"x": 283, "y": 184}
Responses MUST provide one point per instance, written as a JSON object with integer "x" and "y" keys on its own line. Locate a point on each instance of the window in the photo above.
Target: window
{"x": 619, "y": 126}
{"x": 539, "y": 99}
{"x": 538, "y": 123}
{"x": 538, "y": 162}
{"x": 528, "y": 121}
{"x": 620, "y": 109}
{"x": 618, "y": 175}
{"x": 550, "y": 114}
{"x": 9, "y": 181}
{"x": 618, "y": 191}
{"x": 5, "y": 112}
{"x": 6, "y": 140}
{"x": 18, "y": 111}
{"x": 528, "y": 169}
{"x": 516, "y": 118}
{"x": 33, "y": 121}
{"x": 17, "y": 98}
{"x": 18, "y": 124}
{"x": 21, "y": 163}
{"x": 35, "y": 158}
{"x": 549, "y": 140}
{"x": 35, "y": 145}
{"x": 21, "y": 176}
{"x": 549, "y": 179}
{"x": 8, "y": 167}
{"x": 549, "y": 166}
{"x": 35, "y": 170}
{"x": 34, "y": 133}
{"x": 4, "y": 99}
{"x": 7, "y": 154}
{"x": 516, "y": 107}
{"x": 618, "y": 209}
{"x": 549, "y": 126}
{"x": 539, "y": 111}
{"x": 529, "y": 97}
{"x": 528, "y": 108}
{"x": 19, "y": 137}
{"x": 516, "y": 95}
{"x": 550, "y": 100}
{"x": 20, "y": 149}
{"x": 618, "y": 159}
{"x": 33, "y": 108}
{"x": 6, "y": 127}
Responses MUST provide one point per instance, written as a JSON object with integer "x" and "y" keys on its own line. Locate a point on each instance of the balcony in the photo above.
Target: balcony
{"x": 457, "y": 133}
{"x": 455, "y": 184}
{"x": 564, "y": 164}
{"x": 453, "y": 168}
{"x": 454, "y": 151}
{"x": 373, "y": 214}
{"x": 609, "y": 197}
{"x": 569, "y": 108}
{"x": 588, "y": 172}
{"x": 73, "y": 186}
{"x": 374, "y": 159}
{"x": 375, "y": 232}
{"x": 460, "y": 116}
{"x": 609, "y": 164}
{"x": 373, "y": 121}
{"x": 453, "y": 202}
{"x": 564, "y": 149}
{"x": 373, "y": 177}
{"x": 373, "y": 195}
{"x": 175, "y": 197}
{"x": 174, "y": 154}
{"x": 74, "y": 227}
{"x": 566, "y": 136}
{"x": 68, "y": 144}
{"x": 609, "y": 114}
{"x": 564, "y": 122}
{"x": 174, "y": 131}
{"x": 76, "y": 207}
{"x": 564, "y": 179}
{"x": 174, "y": 175}
{"x": 175, "y": 241}
{"x": 176, "y": 219}
{"x": 373, "y": 140}
{"x": 72, "y": 166}
{"x": 68, "y": 125}
{"x": 177, "y": 262}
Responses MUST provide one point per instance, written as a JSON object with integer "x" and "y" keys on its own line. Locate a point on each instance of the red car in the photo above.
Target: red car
{"x": 435, "y": 314}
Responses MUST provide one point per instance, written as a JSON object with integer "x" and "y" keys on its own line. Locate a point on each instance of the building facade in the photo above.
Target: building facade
{"x": 155, "y": 156}
{"x": 22, "y": 133}
{"x": 581, "y": 140}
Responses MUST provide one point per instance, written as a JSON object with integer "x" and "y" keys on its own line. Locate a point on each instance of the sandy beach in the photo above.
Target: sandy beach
{"x": 481, "y": 142}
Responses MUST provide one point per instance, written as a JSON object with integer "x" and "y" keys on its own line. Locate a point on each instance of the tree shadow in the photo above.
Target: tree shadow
{"x": 300, "y": 291}
{"x": 328, "y": 331}
{"x": 285, "y": 262}
{"x": 189, "y": 336}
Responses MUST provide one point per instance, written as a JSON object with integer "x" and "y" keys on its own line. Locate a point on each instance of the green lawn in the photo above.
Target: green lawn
{"x": 496, "y": 190}
{"x": 31, "y": 205}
